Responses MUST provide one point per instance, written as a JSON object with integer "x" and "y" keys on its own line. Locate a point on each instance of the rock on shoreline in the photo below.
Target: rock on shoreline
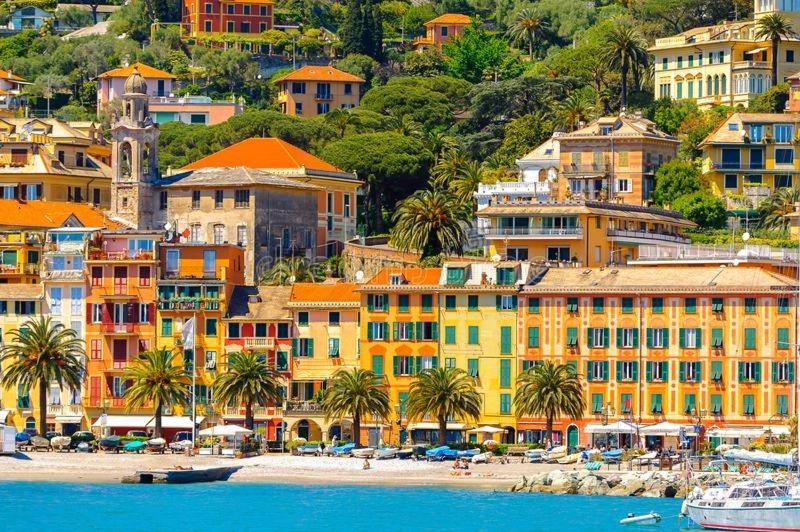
{"x": 669, "y": 484}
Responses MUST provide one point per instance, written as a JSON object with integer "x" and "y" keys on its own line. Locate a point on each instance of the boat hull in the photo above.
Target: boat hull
{"x": 774, "y": 519}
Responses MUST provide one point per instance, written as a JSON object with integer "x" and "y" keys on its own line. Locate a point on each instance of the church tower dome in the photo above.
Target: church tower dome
{"x": 135, "y": 84}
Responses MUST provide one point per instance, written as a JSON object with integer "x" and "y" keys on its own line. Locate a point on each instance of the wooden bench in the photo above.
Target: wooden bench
{"x": 516, "y": 450}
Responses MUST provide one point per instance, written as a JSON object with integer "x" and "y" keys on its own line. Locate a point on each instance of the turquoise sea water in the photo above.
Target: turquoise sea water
{"x": 228, "y": 506}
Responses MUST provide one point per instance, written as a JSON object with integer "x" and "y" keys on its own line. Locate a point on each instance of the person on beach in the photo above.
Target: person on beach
{"x": 366, "y": 464}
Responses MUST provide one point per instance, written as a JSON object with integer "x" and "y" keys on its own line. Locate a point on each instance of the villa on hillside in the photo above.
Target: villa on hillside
{"x": 316, "y": 90}
{"x": 440, "y": 30}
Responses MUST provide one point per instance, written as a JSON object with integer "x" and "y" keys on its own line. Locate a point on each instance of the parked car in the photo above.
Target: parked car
{"x": 51, "y": 434}
{"x": 137, "y": 434}
{"x": 181, "y": 441}
{"x": 81, "y": 437}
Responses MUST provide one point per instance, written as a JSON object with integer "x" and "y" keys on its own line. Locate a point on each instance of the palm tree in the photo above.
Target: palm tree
{"x": 625, "y": 49}
{"x": 289, "y": 271}
{"x": 355, "y": 393}
{"x": 550, "y": 391}
{"x": 528, "y": 25}
{"x": 447, "y": 166}
{"x": 773, "y": 210}
{"x": 340, "y": 119}
{"x": 249, "y": 379}
{"x": 155, "y": 377}
{"x": 466, "y": 183}
{"x": 576, "y": 108}
{"x": 431, "y": 222}
{"x": 405, "y": 125}
{"x": 774, "y": 28}
{"x": 39, "y": 353}
{"x": 444, "y": 393}
{"x": 438, "y": 142}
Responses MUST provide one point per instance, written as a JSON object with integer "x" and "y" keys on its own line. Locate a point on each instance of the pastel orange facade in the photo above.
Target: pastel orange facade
{"x": 314, "y": 91}
{"x": 441, "y": 29}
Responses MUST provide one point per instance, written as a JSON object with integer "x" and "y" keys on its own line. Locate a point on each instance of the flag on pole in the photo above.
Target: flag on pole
{"x": 187, "y": 334}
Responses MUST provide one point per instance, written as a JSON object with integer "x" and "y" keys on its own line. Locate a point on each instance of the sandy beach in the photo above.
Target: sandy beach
{"x": 100, "y": 467}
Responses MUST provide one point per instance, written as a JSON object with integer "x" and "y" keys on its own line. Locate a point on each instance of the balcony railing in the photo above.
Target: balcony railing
{"x": 188, "y": 304}
{"x": 302, "y": 408}
{"x": 258, "y": 411}
{"x": 736, "y": 165}
{"x": 761, "y": 65}
{"x": 259, "y": 343}
{"x": 533, "y": 231}
{"x": 11, "y": 269}
{"x": 63, "y": 275}
{"x": 572, "y": 169}
{"x": 120, "y": 255}
{"x": 324, "y": 96}
{"x": 666, "y": 237}
{"x": 118, "y": 328}
{"x": 64, "y": 410}
{"x": 689, "y": 252}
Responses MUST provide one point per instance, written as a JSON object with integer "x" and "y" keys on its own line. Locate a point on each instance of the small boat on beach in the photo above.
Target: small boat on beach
{"x": 645, "y": 519}
{"x": 180, "y": 475}
{"x": 386, "y": 453}
{"x": 482, "y": 458}
{"x": 535, "y": 455}
{"x": 134, "y": 446}
{"x": 364, "y": 452}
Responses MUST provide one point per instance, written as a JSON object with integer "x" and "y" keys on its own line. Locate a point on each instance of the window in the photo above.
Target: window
{"x": 782, "y": 405}
{"x": 211, "y": 327}
{"x": 333, "y": 348}
{"x": 658, "y": 305}
{"x": 166, "y": 326}
{"x": 260, "y": 332}
{"x": 376, "y": 330}
{"x": 450, "y": 335}
{"x": 656, "y": 404}
{"x": 427, "y": 303}
{"x": 348, "y": 89}
{"x": 657, "y": 338}
{"x": 783, "y": 181}
{"x": 219, "y": 234}
{"x": 472, "y": 367}
{"x": 283, "y": 330}
{"x": 690, "y": 338}
{"x": 783, "y": 133}
{"x": 627, "y": 371}
{"x": 572, "y": 304}
{"x": 377, "y": 302}
{"x": 657, "y": 371}
{"x": 716, "y": 338}
{"x": 173, "y": 259}
{"x": 402, "y": 303}
{"x": 427, "y": 331}
{"x": 473, "y": 335}
{"x": 456, "y": 276}
{"x": 533, "y": 305}
{"x": 298, "y": 87}
{"x": 690, "y": 305}
{"x": 756, "y": 132}
{"x": 784, "y": 156}
{"x": 505, "y": 373}
{"x": 749, "y": 405}
{"x": 194, "y": 233}
{"x": 572, "y": 337}
{"x": 790, "y": 56}
{"x": 444, "y": 31}
{"x": 533, "y": 337}
{"x": 627, "y": 338}
{"x": 506, "y": 302}
{"x": 782, "y": 372}
{"x": 626, "y": 403}
{"x": 750, "y": 372}
{"x": 302, "y": 319}
{"x": 333, "y": 319}
{"x": 230, "y": 26}
{"x": 144, "y": 313}
{"x": 690, "y": 371}
{"x": 209, "y": 262}
{"x": 450, "y": 302}
{"x": 303, "y": 347}
{"x": 627, "y": 305}
{"x": 731, "y": 181}
{"x": 195, "y": 199}
{"x": 624, "y": 185}
{"x": 597, "y": 403}
{"x": 749, "y": 338}
{"x": 689, "y": 403}
{"x": 55, "y": 300}
{"x": 472, "y": 302}
{"x": 505, "y": 403}
{"x": 449, "y": 362}
{"x": 597, "y": 371}
{"x": 377, "y": 365}
{"x": 346, "y": 200}
{"x": 76, "y": 298}
{"x": 597, "y": 305}
{"x": 241, "y": 198}
{"x": 404, "y": 365}
{"x": 597, "y": 337}
{"x": 680, "y": 61}
{"x": 716, "y": 304}
{"x": 749, "y": 305}
{"x": 323, "y": 107}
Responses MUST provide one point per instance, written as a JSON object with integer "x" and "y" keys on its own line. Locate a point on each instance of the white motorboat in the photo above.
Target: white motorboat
{"x": 482, "y": 458}
{"x": 535, "y": 455}
{"x": 365, "y": 452}
{"x": 755, "y": 505}
{"x": 645, "y": 519}
{"x": 385, "y": 453}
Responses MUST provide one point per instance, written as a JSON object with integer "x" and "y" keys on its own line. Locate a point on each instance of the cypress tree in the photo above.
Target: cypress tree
{"x": 353, "y": 28}
{"x": 362, "y": 31}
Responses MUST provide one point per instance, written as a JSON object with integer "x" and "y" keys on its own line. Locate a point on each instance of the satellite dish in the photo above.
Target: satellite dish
{"x": 746, "y": 236}
{"x": 359, "y": 276}
{"x": 167, "y": 226}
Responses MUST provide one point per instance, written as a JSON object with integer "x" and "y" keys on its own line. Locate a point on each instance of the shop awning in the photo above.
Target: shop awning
{"x": 665, "y": 428}
{"x": 114, "y": 421}
{"x": 68, "y": 419}
{"x": 487, "y": 429}
{"x": 738, "y": 432}
{"x": 175, "y": 422}
{"x": 756, "y": 51}
{"x": 620, "y": 427}
{"x": 435, "y": 426}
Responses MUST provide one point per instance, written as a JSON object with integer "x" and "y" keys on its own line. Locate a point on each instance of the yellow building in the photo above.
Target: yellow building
{"x": 325, "y": 340}
{"x": 690, "y": 345}
{"x": 723, "y": 64}
{"x": 315, "y": 90}
{"x": 750, "y": 155}
{"x": 478, "y": 313}
{"x": 53, "y": 160}
{"x": 18, "y": 304}
{"x": 20, "y": 256}
{"x": 586, "y": 233}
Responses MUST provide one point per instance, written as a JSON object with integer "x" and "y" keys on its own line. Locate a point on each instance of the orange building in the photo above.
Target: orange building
{"x": 258, "y": 320}
{"x": 315, "y": 90}
{"x": 120, "y": 318}
{"x": 440, "y": 30}
{"x": 336, "y": 202}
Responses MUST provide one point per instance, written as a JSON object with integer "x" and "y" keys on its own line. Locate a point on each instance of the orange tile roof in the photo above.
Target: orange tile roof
{"x": 411, "y": 276}
{"x": 450, "y": 18}
{"x": 319, "y": 73}
{"x": 145, "y": 70}
{"x": 5, "y": 74}
{"x": 262, "y": 153}
{"x": 51, "y": 214}
{"x": 335, "y": 292}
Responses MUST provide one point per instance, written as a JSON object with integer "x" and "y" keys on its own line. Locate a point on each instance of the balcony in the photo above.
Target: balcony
{"x": 120, "y": 256}
{"x": 63, "y": 275}
{"x": 118, "y": 292}
{"x": 303, "y": 408}
{"x": 750, "y": 65}
{"x": 618, "y": 234}
{"x": 533, "y": 232}
{"x": 323, "y": 96}
{"x": 189, "y": 304}
{"x": 118, "y": 328}
{"x": 258, "y": 411}
{"x": 64, "y": 410}
{"x": 19, "y": 269}
{"x": 737, "y": 166}
{"x": 696, "y": 253}
{"x": 579, "y": 169}
{"x": 259, "y": 343}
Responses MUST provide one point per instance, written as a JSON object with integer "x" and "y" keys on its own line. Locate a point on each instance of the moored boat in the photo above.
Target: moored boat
{"x": 180, "y": 475}
{"x": 645, "y": 519}
{"x": 364, "y": 452}
{"x": 386, "y": 453}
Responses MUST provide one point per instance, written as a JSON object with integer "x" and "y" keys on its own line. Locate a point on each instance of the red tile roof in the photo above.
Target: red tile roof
{"x": 324, "y": 293}
{"x": 262, "y": 153}
{"x": 7, "y": 74}
{"x": 450, "y": 18}
{"x": 51, "y": 214}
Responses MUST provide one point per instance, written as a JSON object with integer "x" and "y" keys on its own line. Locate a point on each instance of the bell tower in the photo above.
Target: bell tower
{"x": 134, "y": 156}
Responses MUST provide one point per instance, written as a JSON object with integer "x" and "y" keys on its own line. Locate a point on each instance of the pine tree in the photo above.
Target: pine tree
{"x": 352, "y": 29}
{"x": 377, "y": 33}
{"x": 362, "y": 31}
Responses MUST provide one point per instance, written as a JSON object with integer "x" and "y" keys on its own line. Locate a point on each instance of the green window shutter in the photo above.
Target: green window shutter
{"x": 310, "y": 348}
{"x": 716, "y": 404}
{"x": 434, "y": 331}
{"x": 664, "y": 371}
{"x": 450, "y": 302}
{"x": 588, "y": 370}
{"x": 435, "y": 362}
{"x": 749, "y": 338}
{"x": 572, "y": 366}
{"x": 505, "y": 403}
{"x": 497, "y": 300}
{"x": 605, "y": 371}
{"x": 716, "y": 370}
{"x": 533, "y": 305}
{"x": 597, "y": 402}
{"x": 514, "y": 302}
{"x": 690, "y": 305}
{"x": 649, "y": 337}
{"x": 295, "y": 343}
{"x": 417, "y": 361}
{"x": 656, "y": 406}
{"x": 741, "y": 371}
{"x": 385, "y": 302}
{"x": 665, "y": 332}
{"x": 658, "y": 305}
{"x": 590, "y": 337}
{"x": 648, "y": 371}
{"x": 783, "y": 405}
{"x": 396, "y": 365}
{"x": 606, "y": 335}
{"x": 505, "y": 340}
{"x": 791, "y": 372}
{"x": 750, "y": 305}
{"x": 783, "y": 305}
{"x": 635, "y": 372}
{"x": 418, "y": 329}
{"x": 716, "y": 338}
{"x": 627, "y": 305}
{"x": 370, "y": 303}
{"x": 689, "y": 403}
{"x": 783, "y": 338}
{"x": 472, "y": 367}
{"x": 572, "y": 336}
{"x": 774, "y": 372}
{"x": 472, "y": 302}
{"x": 533, "y": 336}
{"x": 682, "y": 372}
{"x": 369, "y": 334}
{"x": 698, "y": 371}
{"x": 402, "y": 303}
{"x": 597, "y": 305}
{"x": 757, "y": 371}
{"x": 636, "y": 337}
{"x": 505, "y": 373}
{"x": 619, "y": 337}
{"x": 619, "y": 371}
{"x": 395, "y": 331}
{"x": 450, "y": 334}
{"x": 473, "y": 335}
{"x": 698, "y": 338}
{"x": 682, "y": 338}
{"x": 377, "y": 365}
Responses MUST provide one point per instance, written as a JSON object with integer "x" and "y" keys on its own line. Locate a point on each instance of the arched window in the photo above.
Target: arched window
{"x": 716, "y": 85}
{"x": 724, "y": 83}
{"x": 125, "y": 160}
{"x": 760, "y": 84}
{"x": 708, "y": 86}
{"x": 30, "y": 423}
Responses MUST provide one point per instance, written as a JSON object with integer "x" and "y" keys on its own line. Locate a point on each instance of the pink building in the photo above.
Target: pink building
{"x": 164, "y": 106}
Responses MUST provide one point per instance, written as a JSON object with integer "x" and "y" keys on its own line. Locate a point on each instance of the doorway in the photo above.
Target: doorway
{"x": 572, "y": 438}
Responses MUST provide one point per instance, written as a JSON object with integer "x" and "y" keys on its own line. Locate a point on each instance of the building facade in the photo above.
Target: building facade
{"x": 230, "y": 17}
{"x": 316, "y": 90}
{"x": 440, "y": 30}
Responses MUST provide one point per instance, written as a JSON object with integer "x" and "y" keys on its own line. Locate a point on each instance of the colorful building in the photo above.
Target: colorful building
{"x": 258, "y": 320}
{"x": 122, "y": 268}
{"x": 613, "y": 158}
{"x": 11, "y": 87}
{"x": 20, "y": 256}
{"x": 336, "y": 200}
{"x": 325, "y": 339}
{"x": 316, "y": 90}
{"x": 440, "y": 30}
{"x": 243, "y": 18}
{"x": 164, "y": 105}
{"x": 750, "y": 155}
{"x": 18, "y": 304}
{"x": 724, "y": 64}
{"x": 705, "y": 345}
